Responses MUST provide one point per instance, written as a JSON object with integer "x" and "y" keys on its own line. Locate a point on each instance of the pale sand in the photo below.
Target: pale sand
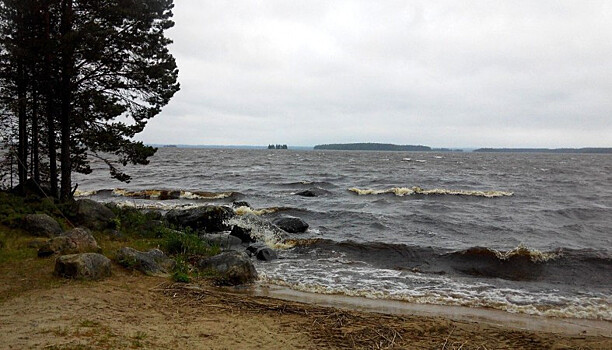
{"x": 133, "y": 311}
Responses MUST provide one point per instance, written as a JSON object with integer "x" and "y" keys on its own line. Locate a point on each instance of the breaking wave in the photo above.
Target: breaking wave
{"x": 244, "y": 210}
{"x": 469, "y": 277}
{"x": 449, "y": 292}
{"x": 407, "y": 191}
{"x": 159, "y": 194}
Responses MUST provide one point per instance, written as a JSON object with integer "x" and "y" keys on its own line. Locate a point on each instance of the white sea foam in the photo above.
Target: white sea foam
{"x": 406, "y": 191}
{"x": 338, "y": 276}
{"x": 79, "y": 193}
{"x": 171, "y": 194}
{"x": 533, "y": 254}
{"x": 260, "y": 229}
{"x": 243, "y": 210}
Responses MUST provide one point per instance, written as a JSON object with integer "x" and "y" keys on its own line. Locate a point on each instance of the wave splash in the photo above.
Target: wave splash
{"x": 159, "y": 194}
{"x": 407, "y": 191}
{"x": 521, "y": 251}
{"x": 260, "y": 229}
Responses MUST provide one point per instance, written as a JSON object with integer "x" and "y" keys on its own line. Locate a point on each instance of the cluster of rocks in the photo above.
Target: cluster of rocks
{"x": 79, "y": 255}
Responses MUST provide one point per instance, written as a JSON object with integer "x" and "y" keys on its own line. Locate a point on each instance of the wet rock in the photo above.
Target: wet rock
{"x": 266, "y": 254}
{"x": 222, "y": 240}
{"x": 239, "y": 204}
{"x": 306, "y": 193}
{"x": 41, "y": 225}
{"x": 207, "y": 218}
{"x": 78, "y": 240}
{"x": 251, "y": 228}
{"x": 262, "y": 252}
{"x": 93, "y": 215}
{"x": 153, "y": 262}
{"x": 291, "y": 224}
{"x": 91, "y": 266}
{"x": 233, "y": 268}
{"x": 244, "y": 234}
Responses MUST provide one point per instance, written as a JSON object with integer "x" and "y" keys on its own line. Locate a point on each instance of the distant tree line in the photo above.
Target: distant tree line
{"x": 372, "y": 147}
{"x": 277, "y": 146}
{"x": 78, "y": 80}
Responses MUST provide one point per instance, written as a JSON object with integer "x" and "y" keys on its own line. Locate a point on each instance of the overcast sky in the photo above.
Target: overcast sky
{"x": 438, "y": 73}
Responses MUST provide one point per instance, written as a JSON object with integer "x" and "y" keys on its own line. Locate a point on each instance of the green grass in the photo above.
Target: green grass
{"x": 22, "y": 270}
{"x": 133, "y": 223}
{"x": 186, "y": 243}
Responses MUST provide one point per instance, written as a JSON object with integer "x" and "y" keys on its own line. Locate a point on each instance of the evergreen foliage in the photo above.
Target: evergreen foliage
{"x": 78, "y": 80}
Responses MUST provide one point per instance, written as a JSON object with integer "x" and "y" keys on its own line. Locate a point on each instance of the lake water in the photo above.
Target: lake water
{"x": 526, "y": 233}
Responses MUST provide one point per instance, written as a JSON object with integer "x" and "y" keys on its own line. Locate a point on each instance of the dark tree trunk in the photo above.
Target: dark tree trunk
{"x": 50, "y": 109}
{"x": 35, "y": 141}
{"x": 65, "y": 98}
{"x": 22, "y": 156}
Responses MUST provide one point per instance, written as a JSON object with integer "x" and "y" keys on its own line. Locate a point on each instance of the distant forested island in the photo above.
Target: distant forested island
{"x": 372, "y": 147}
{"x": 546, "y": 150}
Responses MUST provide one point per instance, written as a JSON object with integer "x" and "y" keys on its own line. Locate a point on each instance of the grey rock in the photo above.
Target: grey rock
{"x": 291, "y": 224}
{"x": 239, "y": 204}
{"x": 91, "y": 266}
{"x": 153, "y": 262}
{"x": 251, "y": 228}
{"x": 93, "y": 215}
{"x": 266, "y": 254}
{"x": 262, "y": 252}
{"x": 78, "y": 240}
{"x": 233, "y": 268}
{"x": 243, "y": 234}
{"x": 207, "y": 218}
{"x": 41, "y": 225}
{"x": 252, "y": 248}
{"x": 306, "y": 193}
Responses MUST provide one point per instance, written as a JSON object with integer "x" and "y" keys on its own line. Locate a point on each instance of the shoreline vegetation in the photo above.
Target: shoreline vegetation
{"x": 185, "y": 307}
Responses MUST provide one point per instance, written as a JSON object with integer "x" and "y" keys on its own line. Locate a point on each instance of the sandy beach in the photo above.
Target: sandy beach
{"x": 129, "y": 310}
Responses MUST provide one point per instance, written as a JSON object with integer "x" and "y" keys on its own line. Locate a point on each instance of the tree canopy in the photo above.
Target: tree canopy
{"x": 79, "y": 79}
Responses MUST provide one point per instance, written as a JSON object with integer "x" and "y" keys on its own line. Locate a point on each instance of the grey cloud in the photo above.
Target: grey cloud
{"x": 442, "y": 73}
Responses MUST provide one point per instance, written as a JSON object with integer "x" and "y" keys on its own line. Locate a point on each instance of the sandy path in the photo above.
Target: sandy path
{"x": 133, "y": 311}
{"x": 123, "y": 312}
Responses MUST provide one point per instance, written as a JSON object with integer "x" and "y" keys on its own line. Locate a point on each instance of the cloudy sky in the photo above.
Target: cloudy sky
{"x": 439, "y": 73}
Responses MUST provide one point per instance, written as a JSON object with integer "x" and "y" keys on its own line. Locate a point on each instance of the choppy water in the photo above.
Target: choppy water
{"x": 528, "y": 233}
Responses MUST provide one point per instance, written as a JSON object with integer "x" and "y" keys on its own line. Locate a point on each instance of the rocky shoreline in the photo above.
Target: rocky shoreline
{"x": 78, "y": 254}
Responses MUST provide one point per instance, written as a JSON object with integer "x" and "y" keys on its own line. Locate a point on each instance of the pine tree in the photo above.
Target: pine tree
{"x": 98, "y": 70}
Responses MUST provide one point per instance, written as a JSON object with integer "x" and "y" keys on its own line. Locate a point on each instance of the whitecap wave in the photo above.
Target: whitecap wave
{"x": 407, "y": 191}
{"x": 426, "y": 289}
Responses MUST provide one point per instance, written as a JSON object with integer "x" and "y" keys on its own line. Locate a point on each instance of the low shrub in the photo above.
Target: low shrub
{"x": 182, "y": 270}
{"x": 184, "y": 243}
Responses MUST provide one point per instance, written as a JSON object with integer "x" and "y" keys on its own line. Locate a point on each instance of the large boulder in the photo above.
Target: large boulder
{"x": 153, "y": 262}
{"x": 41, "y": 225}
{"x": 222, "y": 240}
{"x": 207, "y": 218}
{"x": 93, "y": 215}
{"x": 91, "y": 266}
{"x": 233, "y": 268}
{"x": 291, "y": 224}
{"x": 78, "y": 240}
